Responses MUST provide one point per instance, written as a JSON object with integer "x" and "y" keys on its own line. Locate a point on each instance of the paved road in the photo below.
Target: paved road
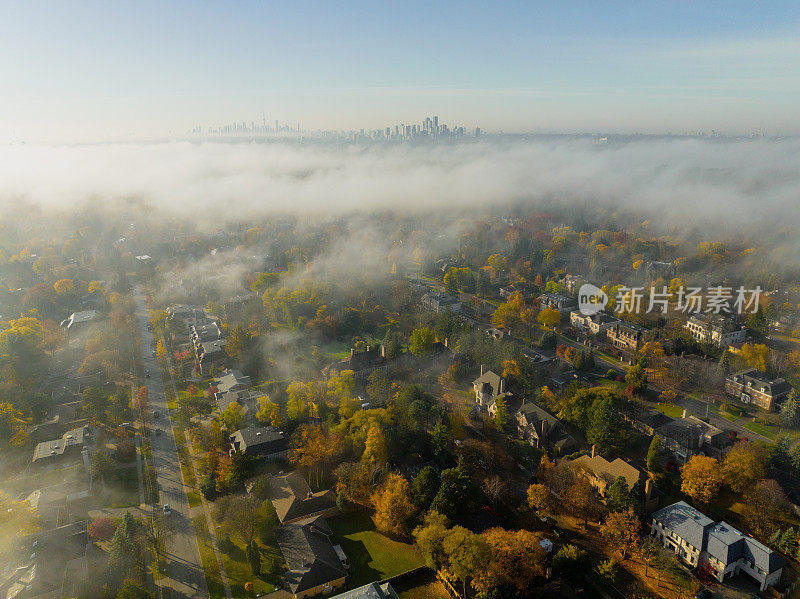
{"x": 186, "y": 576}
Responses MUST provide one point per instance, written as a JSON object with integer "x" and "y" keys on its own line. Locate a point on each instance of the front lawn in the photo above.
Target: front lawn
{"x": 770, "y": 431}
{"x": 372, "y": 556}
{"x": 670, "y": 409}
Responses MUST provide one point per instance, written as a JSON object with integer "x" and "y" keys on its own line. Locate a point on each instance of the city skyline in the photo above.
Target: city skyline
{"x": 84, "y": 71}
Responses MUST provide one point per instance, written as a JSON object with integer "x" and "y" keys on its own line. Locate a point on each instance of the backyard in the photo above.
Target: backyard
{"x": 372, "y": 556}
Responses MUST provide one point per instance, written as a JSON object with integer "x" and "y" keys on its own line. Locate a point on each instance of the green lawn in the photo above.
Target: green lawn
{"x": 670, "y": 409}
{"x": 770, "y": 431}
{"x": 213, "y": 579}
{"x": 372, "y": 556}
{"x": 238, "y": 569}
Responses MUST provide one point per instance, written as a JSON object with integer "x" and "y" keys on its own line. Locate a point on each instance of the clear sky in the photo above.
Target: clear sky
{"x": 80, "y": 70}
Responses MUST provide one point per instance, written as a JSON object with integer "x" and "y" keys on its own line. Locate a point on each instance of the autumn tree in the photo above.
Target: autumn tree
{"x": 467, "y": 553}
{"x": 375, "y": 449}
{"x": 549, "y": 317}
{"x": 517, "y": 560}
{"x": 744, "y": 465}
{"x": 268, "y": 412}
{"x": 636, "y": 378}
{"x": 622, "y": 530}
{"x": 701, "y": 479}
{"x": 430, "y": 536}
{"x": 583, "y": 501}
{"x": 308, "y": 448}
{"x": 232, "y": 417}
{"x": 393, "y": 507}
{"x": 539, "y": 498}
{"x": 766, "y": 508}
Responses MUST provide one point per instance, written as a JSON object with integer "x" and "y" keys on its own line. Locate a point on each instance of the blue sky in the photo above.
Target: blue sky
{"x": 118, "y": 70}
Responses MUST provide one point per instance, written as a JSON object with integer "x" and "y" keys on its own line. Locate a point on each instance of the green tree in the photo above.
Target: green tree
{"x": 636, "y": 378}
{"x": 132, "y": 589}
{"x": 790, "y": 411}
{"x": 652, "y": 455}
{"x": 570, "y": 561}
{"x": 127, "y": 549}
{"x": 455, "y": 494}
{"x": 618, "y": 497}
{"x": 430, "y": 536}
{"x": 501, "y": 417}
{"x": 422, "y": 341}
{"x": 232, "y": 417}
{"x": 425, "y": 487}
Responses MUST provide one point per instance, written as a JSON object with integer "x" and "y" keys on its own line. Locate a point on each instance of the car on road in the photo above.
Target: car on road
{"x": 167, "y": 510}
{"x": 147, "y": 375}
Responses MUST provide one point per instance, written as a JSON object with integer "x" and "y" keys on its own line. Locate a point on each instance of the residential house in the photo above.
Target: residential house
{"x": 79, "y": 320}
{"x": 508, "y": 291}
{"x": 313, "y": 566}
{"x": 188, "y": 316}
{"x": 59, "y": 419}
{"x": 562, "y": 380}
{"x": 715, "y": 329}
{"x": 688, "y": 436}
{"x": 70, "y": 447}
{"x": 47, "y": 564}
{"x": 212, "y": 354}
{"x": 489, "y": 387}
{"x": 233, "y": 380}
{"x": 246, "y": 399}
{"x": 648, "y": 422}
{"x": 698, "y": 541}
{"x": 361, "y": 363}
{"x": 293, "y": 499}
{"x": 202, "y": 333}
{"x": 440, "y": 302}
{"x": 626, "y": 336}
{"x": 543, "y": 430}
{"x": 554, "y": 301}
{"x": 234, "y": 307}
{"x": 602, "y": 473}
{"x": 593, "y": 323}
{"x": 373, "y": 590}
{"x": 754, "y": 386}
{"x": 260, "y": 441}
{"x": 655, "y": 269}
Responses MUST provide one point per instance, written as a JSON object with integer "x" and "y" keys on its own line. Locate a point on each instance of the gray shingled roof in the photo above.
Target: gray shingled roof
{"x": 292, "y": 497}
{"x": 686, "y": 522}
{"x": 728, "y": 545}
{"x": 310, "y": 558}
{"x": 373, "y": 590}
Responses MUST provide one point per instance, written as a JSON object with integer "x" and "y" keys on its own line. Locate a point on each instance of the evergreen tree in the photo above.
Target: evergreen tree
{"x": 652, "y": 454}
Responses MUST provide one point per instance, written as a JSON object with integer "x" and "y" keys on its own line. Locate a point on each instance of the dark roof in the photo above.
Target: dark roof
{"x": 655, "y": 419}
{"x": 728, "y": 545}
{"x": 373, "y": 590}
{"x": 311, "y": 560}
{"x": 231, "y": 379}
{"x": 259, "y": 439}
{"x": 530, "y": 413}
{"x": 292, "y": 497}
{"x": 686, "y": 522}
{"x": 760, "y": 381}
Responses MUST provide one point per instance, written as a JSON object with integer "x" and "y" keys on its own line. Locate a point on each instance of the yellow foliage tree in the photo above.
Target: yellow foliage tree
{"x": 393, "y": 507}
{"x": 701, "y": 478}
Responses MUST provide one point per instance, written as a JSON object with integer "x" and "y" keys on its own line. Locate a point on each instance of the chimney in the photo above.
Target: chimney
{"x": 446, "y": 341}
{"x": 369, "y": 348}
{"x": 500, "y": 389}
{"x": 685, "y": 413}
{"x": 482, "y": 367}
{"x": 648, "y": 489}
{"x": 383, "y": 350}
{"x": 594, "y": 449}
{"x": 352, "y": 351}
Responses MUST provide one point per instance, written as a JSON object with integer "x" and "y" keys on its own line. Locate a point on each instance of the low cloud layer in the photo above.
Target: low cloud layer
{"x": 676, "y": 179}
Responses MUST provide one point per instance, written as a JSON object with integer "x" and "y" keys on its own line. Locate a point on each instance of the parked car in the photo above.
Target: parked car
{"x": 167, "y": 510}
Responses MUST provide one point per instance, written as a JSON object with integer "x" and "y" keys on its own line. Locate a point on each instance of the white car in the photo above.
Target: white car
{"x": 167, "y": 510}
